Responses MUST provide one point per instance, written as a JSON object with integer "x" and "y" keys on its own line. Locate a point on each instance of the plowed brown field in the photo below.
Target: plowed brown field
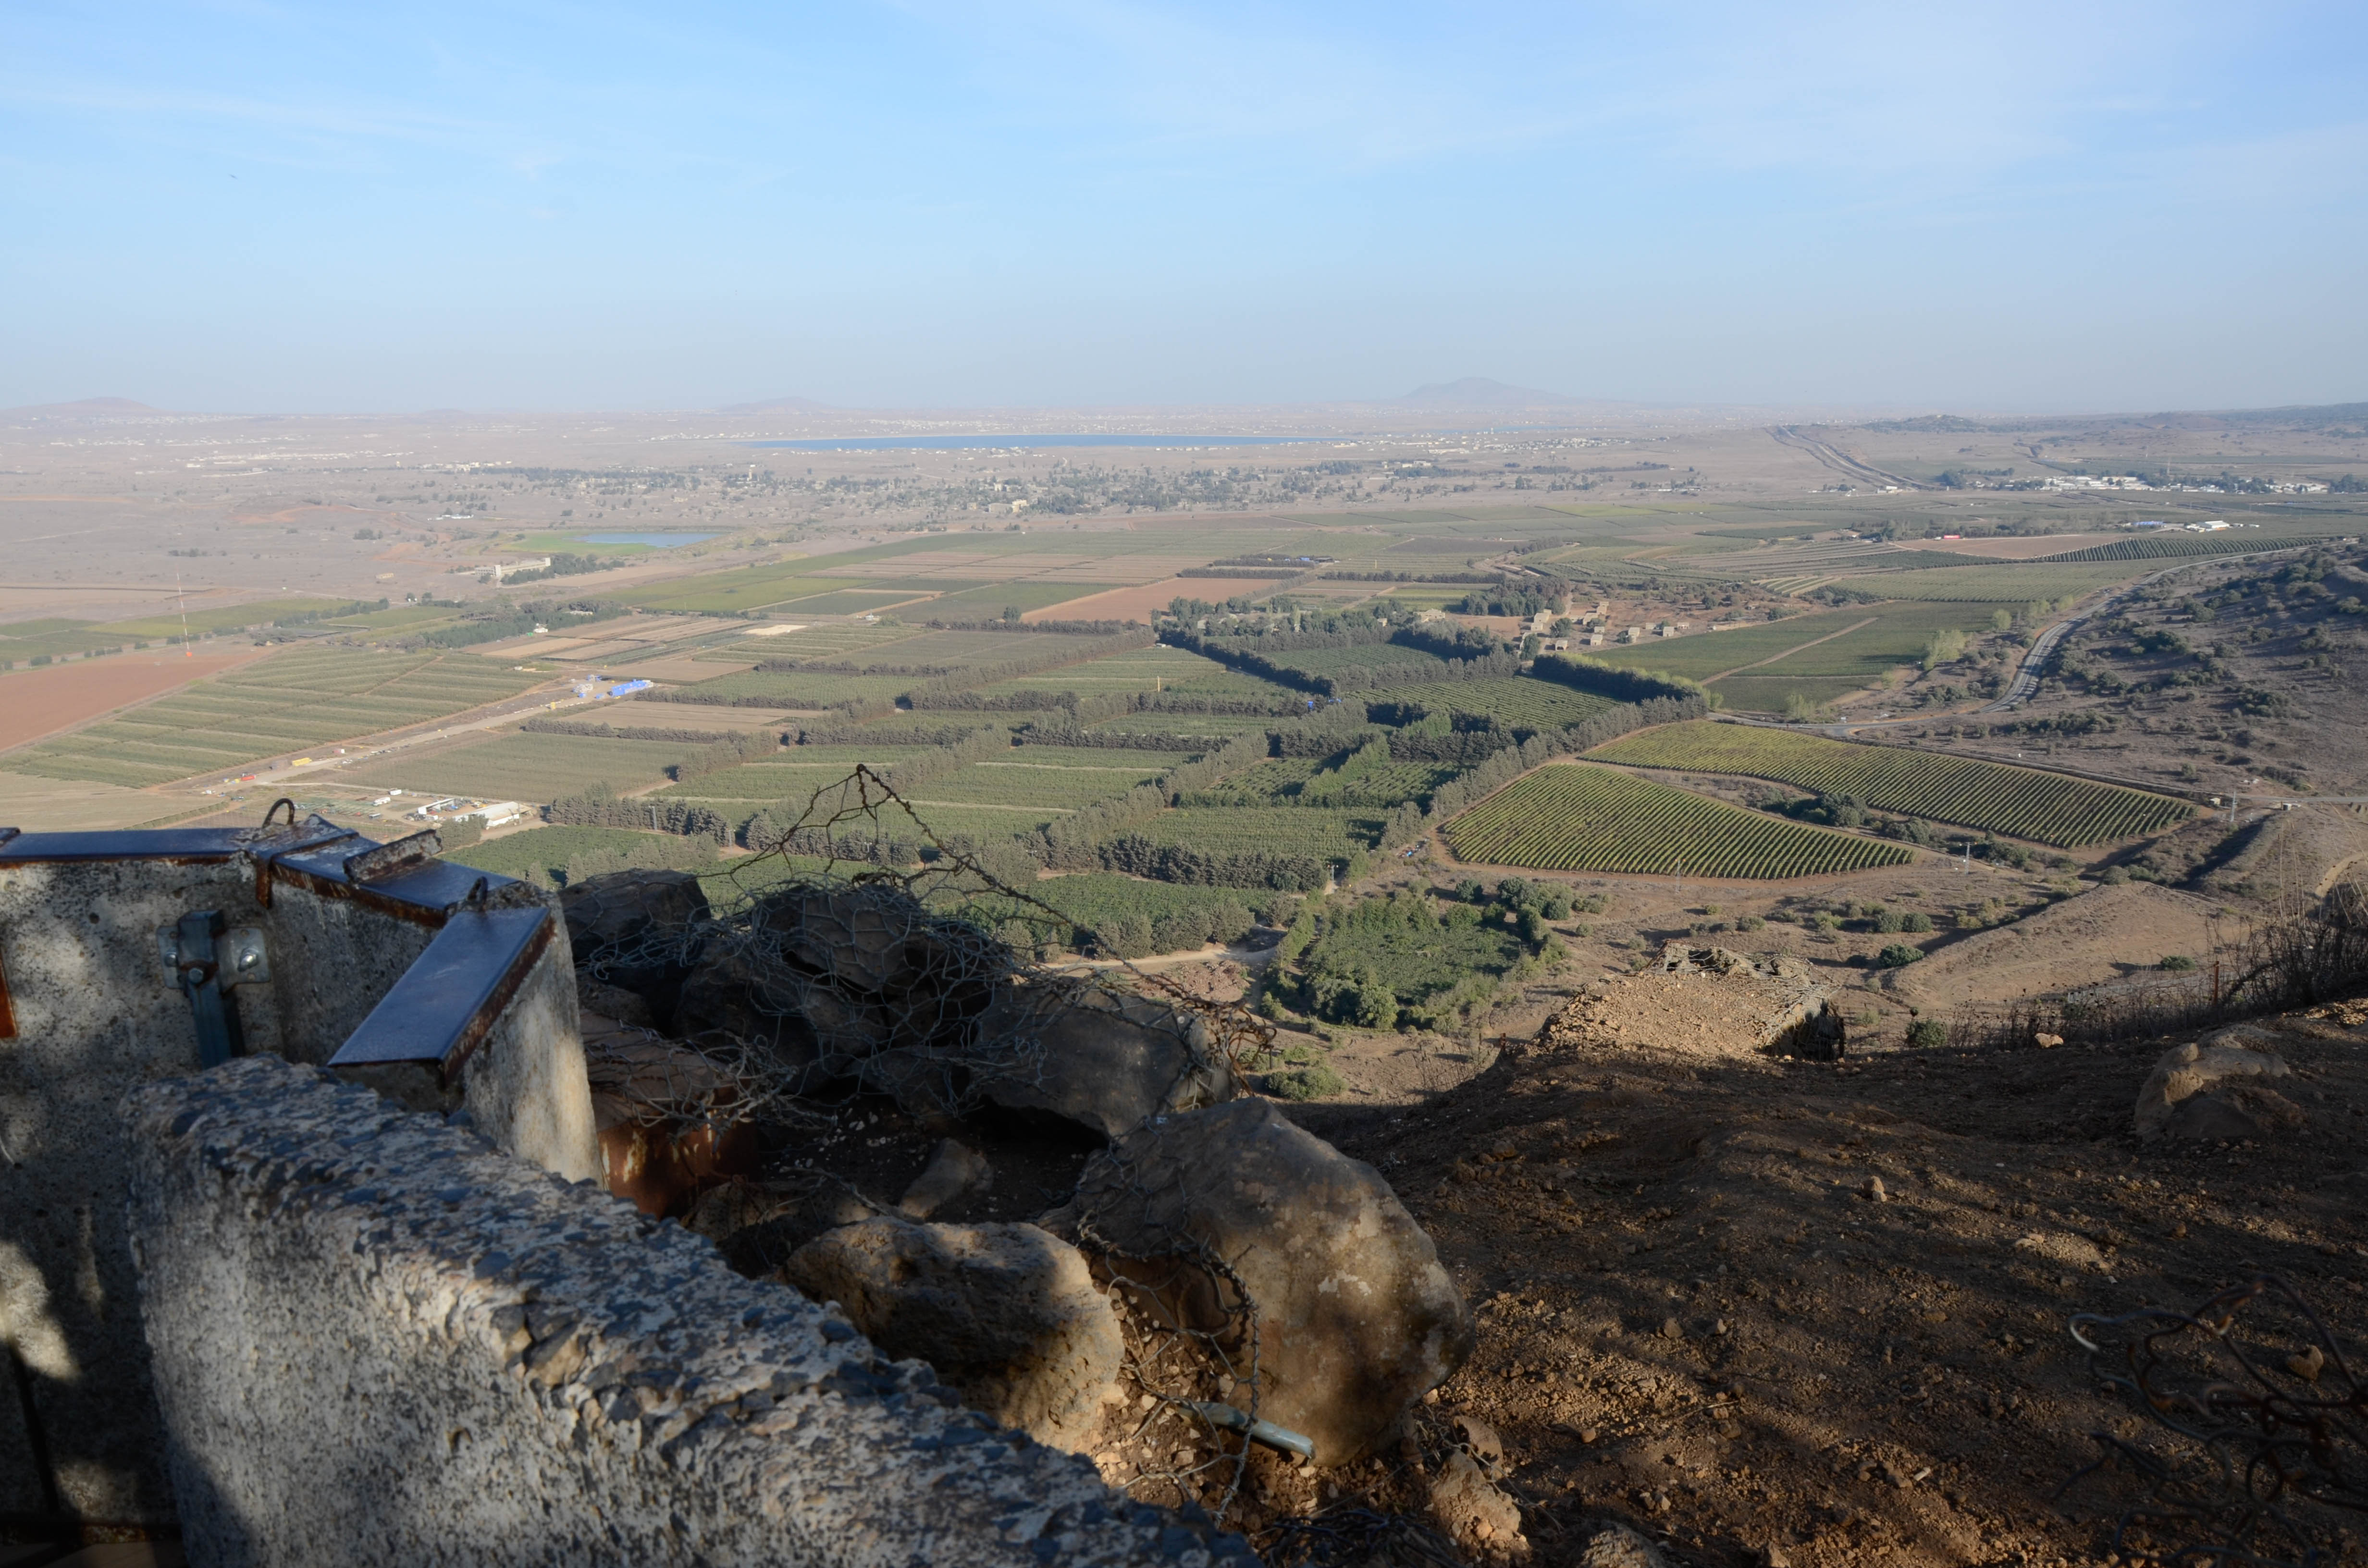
{"x": 34, "y": 703}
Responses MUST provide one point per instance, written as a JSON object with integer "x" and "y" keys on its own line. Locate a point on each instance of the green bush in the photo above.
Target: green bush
{"x": 1898, "y": 955}
{"x": 1927, "y": 1034}
{"x": 1890, "y": 921}
{"x": 1917, "y": 922}
{"x": 2177, "y": 963}
{"x": 1305, "y": 1082}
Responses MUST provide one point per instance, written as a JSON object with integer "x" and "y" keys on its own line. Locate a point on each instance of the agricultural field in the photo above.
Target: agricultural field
{"x": 827, "y": 640}
{"x": 1310, "y": 781}
{"x": 2172, "y": 546}
{"x": 973, "y": 603}
{"x": 731, "y": 592}
{"x": 1212, "y": 726}
{"x": 286, "y": 704}
{"x": 1702, "y": 655}
{"x": 2021, "y": 803}
{"x": 1154, "y": 669}
{"x": 1274, "y": 830}
{"x": 798, "y": 773}
{"x": 1517, "y": 700}
{"x": 555, "y": 856}
{"x": 1582, "y": 817}
{"x": 1379, "y": 657}
{"x": 982, "y": 824}
{"x": 795, "y": 689}
{"x": 520, "y": 765}
{"x": 1058, "y": 785}
{"x": 55, "y": 637}
{"x": 2013, "y": 584}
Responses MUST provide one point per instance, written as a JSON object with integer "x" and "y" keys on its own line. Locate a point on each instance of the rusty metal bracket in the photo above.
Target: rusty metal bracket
{"x": 265, "y": 859}
{"x": 197, "y": 951}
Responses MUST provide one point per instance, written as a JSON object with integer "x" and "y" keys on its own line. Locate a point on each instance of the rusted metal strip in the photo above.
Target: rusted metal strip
{"x": 385, "y": 859}
{"x": 7, "y": 1008}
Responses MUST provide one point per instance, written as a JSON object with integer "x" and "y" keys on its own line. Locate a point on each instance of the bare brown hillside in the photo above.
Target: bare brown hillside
{"x": 1696, "y": 1318}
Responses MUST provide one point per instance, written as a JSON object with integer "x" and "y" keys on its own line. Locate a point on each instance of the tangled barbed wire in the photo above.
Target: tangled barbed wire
{"x": 2267, "y": 1427}
{"x": 860, "y": 952}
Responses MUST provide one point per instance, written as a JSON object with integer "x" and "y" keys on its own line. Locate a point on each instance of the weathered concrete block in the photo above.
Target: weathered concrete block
{"x": 376, "y": 1341}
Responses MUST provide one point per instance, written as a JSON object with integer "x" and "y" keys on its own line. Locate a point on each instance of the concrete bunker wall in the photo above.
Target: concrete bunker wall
{"x": 377, "y": 1340}
{"x": 445, "y": 983}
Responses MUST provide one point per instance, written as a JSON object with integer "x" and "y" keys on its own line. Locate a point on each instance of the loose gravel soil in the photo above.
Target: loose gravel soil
{"x": 1694, "y": 1318}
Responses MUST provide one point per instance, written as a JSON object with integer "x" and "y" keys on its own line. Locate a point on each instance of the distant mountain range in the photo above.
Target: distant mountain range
{"x": 87, "y": 408}
{"x": 1479, "y": 392}
{"x": 778, "y": 406}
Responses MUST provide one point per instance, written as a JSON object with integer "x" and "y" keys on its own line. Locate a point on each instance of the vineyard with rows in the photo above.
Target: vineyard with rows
{"x": 1993, "y": 797}
{"x": 1575, "y": 817}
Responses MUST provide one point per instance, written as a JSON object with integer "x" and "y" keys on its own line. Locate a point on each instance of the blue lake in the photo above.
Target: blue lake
{"x": 655, "y": 542}
{"x": 968, "y": 443}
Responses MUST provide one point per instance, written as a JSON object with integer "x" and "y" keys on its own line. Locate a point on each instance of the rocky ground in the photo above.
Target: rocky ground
{"x": 1695, "y": 1317}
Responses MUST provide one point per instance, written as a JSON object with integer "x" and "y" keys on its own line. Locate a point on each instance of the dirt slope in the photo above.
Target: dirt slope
{"x": 1694, "y": 1319}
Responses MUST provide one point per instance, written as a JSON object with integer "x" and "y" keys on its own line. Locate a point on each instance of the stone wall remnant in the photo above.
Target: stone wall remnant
{"x": 376, "y": 1341}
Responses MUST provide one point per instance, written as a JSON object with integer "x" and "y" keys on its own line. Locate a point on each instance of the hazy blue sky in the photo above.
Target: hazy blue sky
{"x": 294, "y": 207}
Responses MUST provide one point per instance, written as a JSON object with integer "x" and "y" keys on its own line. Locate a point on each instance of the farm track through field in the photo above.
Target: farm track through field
{"x": 1788, "y": 652}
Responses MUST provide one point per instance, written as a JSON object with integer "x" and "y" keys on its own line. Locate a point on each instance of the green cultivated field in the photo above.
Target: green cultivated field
{"x": 1277, "y": 830}
{"x": 1515, "y": 700}
{"x": 1215, "y": 726}
{"x": 1576, "y": 817}
{"x": 1033, "y": 784}
{"x": 727, "y": 593}
{"x": 1314, "y": 783}
{"x": 1097, "y": 756}
{"x": 1145, "y": 669}
{"x": 2019, "y": 801}
{"x": 1820, "y": 657}
{"x": 553, "y": 856}
{"x": 1699, "y": 654}
{"x": 799, "y": 772}
{"x": 282, "y": 707}
{"x": 2004, "y": 584}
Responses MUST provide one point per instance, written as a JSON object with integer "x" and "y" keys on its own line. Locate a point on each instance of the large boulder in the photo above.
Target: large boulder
{"x": 1009, "y": 1315}
{"x": 638, "y": 931}
{"x": 1355, "y": 1318}
{"x": 1102, "y": 1059}
{"x": 2216, "y": 1090}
